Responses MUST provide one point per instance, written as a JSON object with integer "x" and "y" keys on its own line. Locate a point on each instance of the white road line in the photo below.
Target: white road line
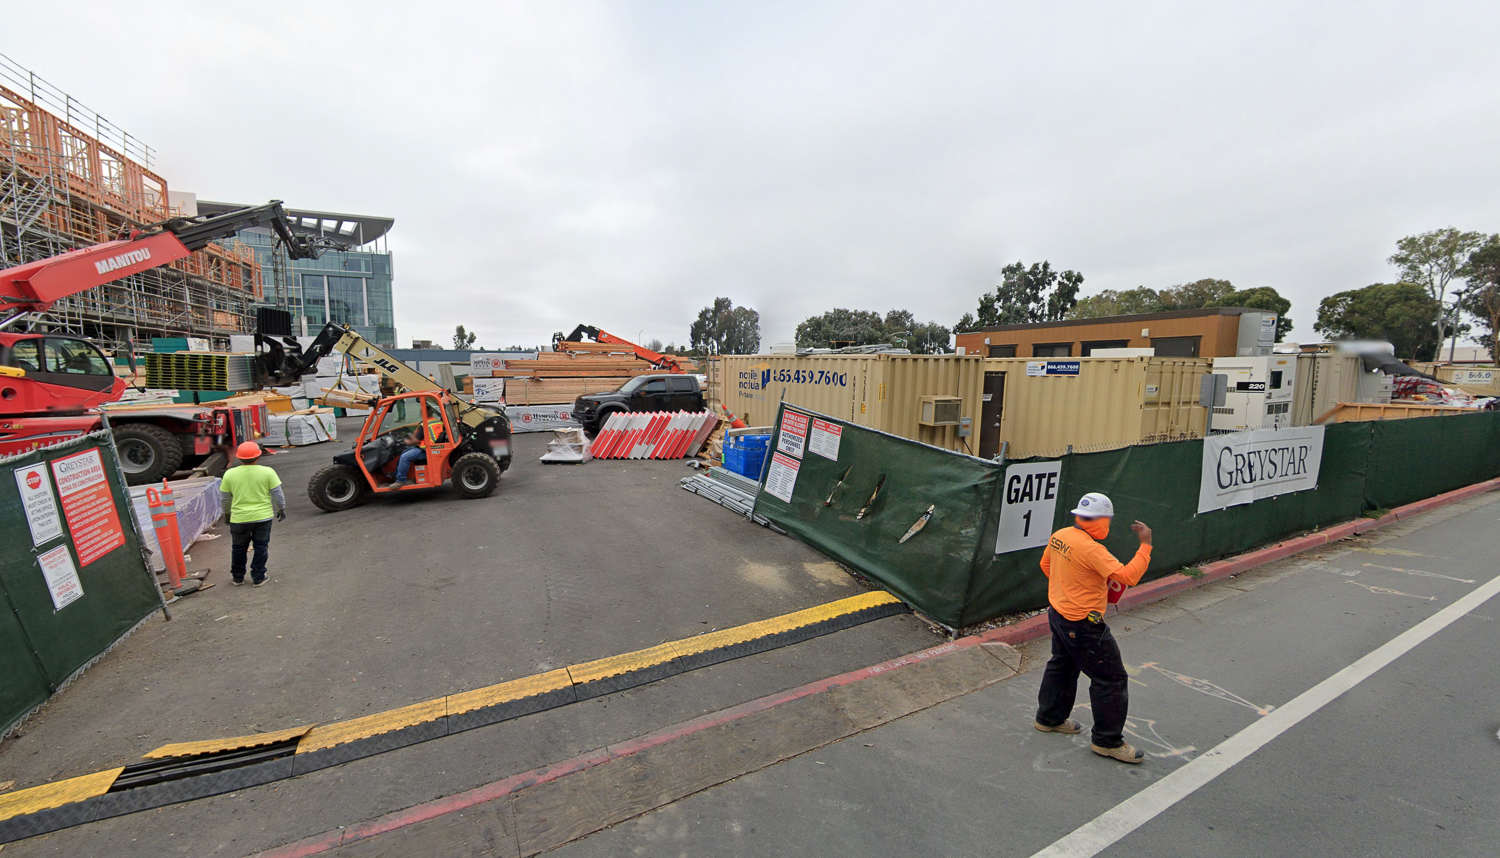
{"x": 1130, "y": 814}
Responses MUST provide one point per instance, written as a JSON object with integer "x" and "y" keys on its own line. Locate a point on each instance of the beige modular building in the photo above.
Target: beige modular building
{"x": 934, "y": 399}
{"x": 1327, "y": 379}
{"x": 1042, "y": 407}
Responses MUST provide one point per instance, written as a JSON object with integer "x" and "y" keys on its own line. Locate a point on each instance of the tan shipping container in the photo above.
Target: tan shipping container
{"x": 883, "y": 392}
{"x": 1111, "y": 402}
{"x": 1473, "y": 380}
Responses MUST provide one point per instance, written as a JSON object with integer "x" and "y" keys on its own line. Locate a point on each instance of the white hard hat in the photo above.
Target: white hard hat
{"x": 1095, "y": 505}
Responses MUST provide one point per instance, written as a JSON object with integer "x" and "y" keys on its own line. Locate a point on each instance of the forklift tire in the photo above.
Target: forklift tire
{"x": 148, "y": 453}
{"x": 475, "y": 475}
{"x": 336, "y": 488}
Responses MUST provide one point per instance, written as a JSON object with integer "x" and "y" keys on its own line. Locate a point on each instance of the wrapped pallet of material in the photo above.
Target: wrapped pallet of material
{"x": 198, "y": 508}
{"x": 489, "y": 389}
{"x": 568, "y": 447}
{"x": 484, "y": 365}
{"x": 300, "y": 430}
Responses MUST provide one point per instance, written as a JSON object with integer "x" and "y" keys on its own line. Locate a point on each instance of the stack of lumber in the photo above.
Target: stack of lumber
{"x": 609, "y": 349}
{"x": 555, "y": 378}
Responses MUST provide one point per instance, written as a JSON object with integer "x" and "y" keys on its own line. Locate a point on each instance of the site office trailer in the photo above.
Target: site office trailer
{"x": 881, "y": 391}
{"x": 1088, "y": 403}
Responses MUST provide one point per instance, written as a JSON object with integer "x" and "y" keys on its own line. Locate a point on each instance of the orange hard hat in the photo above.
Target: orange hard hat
{"x": 247, "y": 451}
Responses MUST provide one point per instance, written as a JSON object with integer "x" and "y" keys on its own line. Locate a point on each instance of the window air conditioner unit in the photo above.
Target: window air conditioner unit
{"x": 940, "y": 410}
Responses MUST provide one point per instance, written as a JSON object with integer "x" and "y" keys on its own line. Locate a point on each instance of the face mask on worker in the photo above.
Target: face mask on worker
{"x": 1098, "y": 528}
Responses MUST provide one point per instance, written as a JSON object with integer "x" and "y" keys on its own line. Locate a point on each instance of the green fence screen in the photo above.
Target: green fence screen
{"x": 950, "y": 572}
{"x": 72, "y": 575}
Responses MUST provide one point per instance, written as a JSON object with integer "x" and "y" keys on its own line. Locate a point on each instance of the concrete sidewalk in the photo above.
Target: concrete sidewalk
{"x": 939, "y": 755}
{"x": 1401, "y": 765}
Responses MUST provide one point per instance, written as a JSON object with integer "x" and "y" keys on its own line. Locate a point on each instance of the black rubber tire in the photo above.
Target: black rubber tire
{"x": 336, "y": 488}
{"x": 475, "y": 475}
{"x": 593, "y": 431}
{"x": 148, "y": 453}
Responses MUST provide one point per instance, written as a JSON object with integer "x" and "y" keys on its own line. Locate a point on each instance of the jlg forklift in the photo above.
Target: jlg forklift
{"x": 465, "y": 442}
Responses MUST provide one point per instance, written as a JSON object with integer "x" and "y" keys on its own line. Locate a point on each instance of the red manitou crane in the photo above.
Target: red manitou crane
{"x": 52, "y": 385}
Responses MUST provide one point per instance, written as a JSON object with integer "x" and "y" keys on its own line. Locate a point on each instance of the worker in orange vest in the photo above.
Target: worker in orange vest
{"x": 1079, "y": 570}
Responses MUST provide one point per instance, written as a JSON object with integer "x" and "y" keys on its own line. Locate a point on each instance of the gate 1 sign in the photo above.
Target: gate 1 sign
{"x": 1027, "y": 506}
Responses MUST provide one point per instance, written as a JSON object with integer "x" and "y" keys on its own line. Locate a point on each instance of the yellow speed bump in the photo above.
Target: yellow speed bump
{"x": 214, "y": 746}
{"x": 505, "y": 692}
{"x": 340, "y": 732}
{"x": 57, "y": 793}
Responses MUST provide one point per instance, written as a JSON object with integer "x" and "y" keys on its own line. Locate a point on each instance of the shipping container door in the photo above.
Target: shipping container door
{"x": 993, "y": 403}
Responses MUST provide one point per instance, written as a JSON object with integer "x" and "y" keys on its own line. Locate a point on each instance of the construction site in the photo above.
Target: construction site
{"x": 69, "y": 178}
{"x": 597, "y": 598}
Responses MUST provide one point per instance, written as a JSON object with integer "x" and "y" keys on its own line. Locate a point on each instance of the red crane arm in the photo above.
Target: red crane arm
{"x": 661, "y": 360}
{"x": 36, "y": 286}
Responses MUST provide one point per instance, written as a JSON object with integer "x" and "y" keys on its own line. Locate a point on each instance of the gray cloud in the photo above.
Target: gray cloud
{"x": 622, "y": 164}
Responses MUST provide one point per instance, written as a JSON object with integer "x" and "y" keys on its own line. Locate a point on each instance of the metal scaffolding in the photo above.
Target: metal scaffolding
{"x": 70, "y": 178}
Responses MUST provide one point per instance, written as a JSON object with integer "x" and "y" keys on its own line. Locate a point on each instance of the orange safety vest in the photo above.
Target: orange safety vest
{"x": 1078, "y": 569}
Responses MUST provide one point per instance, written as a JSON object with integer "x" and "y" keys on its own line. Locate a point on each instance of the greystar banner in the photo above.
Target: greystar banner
{"x": 1242, "y": 467}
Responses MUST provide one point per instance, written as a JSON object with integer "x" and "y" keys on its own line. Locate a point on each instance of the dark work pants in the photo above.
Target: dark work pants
{"x": 243, "y": 534}
{"x": 1079, "y": 645}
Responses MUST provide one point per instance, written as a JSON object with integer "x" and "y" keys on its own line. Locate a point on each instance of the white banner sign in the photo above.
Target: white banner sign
{"x": 41, "y": 508}
{"x": 1242, "y": 467}
{"x": 1028, "y": 504}
{"x": 540, "y": 418}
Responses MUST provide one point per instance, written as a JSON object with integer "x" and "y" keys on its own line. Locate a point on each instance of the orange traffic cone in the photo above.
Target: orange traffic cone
{"x": 164, "y": 521}
{"x": 734, "y": 422}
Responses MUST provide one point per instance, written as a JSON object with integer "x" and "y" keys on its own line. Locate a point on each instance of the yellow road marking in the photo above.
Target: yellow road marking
{"x": 505, "y": 692}
{"x": 57, "y": 793}
{"x": 213, "y": 746}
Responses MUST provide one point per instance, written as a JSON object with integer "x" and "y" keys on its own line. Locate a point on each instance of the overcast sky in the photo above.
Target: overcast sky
{"x": 621, "y": 164}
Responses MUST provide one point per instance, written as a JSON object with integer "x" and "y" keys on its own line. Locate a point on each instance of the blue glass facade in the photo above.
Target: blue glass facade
{"x": 351, "y": 287}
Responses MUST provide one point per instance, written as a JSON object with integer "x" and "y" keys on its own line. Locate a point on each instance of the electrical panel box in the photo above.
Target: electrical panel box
{"x": 1259, "y": 394}
{"x": 940, "y": 410}
{"x": 1257, "y": 335}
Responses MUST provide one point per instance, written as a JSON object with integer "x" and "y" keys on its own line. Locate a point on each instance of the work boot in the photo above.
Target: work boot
{"x": 400, "y": 484}
{"x": 1126, "y": 753}
{"x": 1068, "y": 726}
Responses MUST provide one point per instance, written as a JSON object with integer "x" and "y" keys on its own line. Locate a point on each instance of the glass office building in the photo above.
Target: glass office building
{"x": 352, "y": 287}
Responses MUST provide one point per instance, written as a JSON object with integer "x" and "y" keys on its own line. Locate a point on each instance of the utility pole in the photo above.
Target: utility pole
{"x": 1458, "y": 298}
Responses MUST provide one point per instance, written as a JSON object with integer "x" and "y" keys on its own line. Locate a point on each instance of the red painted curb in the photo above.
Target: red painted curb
{"x": 1170, "y": 585}
{"x": 328, "y": 840}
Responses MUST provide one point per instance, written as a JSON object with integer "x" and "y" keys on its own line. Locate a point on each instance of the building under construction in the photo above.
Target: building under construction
{"x": 70, "y": 179}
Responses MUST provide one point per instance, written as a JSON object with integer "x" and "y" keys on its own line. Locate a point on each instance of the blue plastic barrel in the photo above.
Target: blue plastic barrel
{"x": 746, "y": 454}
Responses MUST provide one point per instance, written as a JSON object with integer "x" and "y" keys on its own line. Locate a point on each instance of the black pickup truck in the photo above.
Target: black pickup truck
{"x": 664, "y": 392}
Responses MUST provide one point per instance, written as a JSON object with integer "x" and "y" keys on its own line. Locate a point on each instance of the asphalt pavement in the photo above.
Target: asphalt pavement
{"x": 1402, "y": 763}
{"x": 412, "y": 597}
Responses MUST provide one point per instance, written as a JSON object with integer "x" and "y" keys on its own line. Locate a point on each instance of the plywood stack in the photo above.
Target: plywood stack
{"x": 559, "y": 377}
